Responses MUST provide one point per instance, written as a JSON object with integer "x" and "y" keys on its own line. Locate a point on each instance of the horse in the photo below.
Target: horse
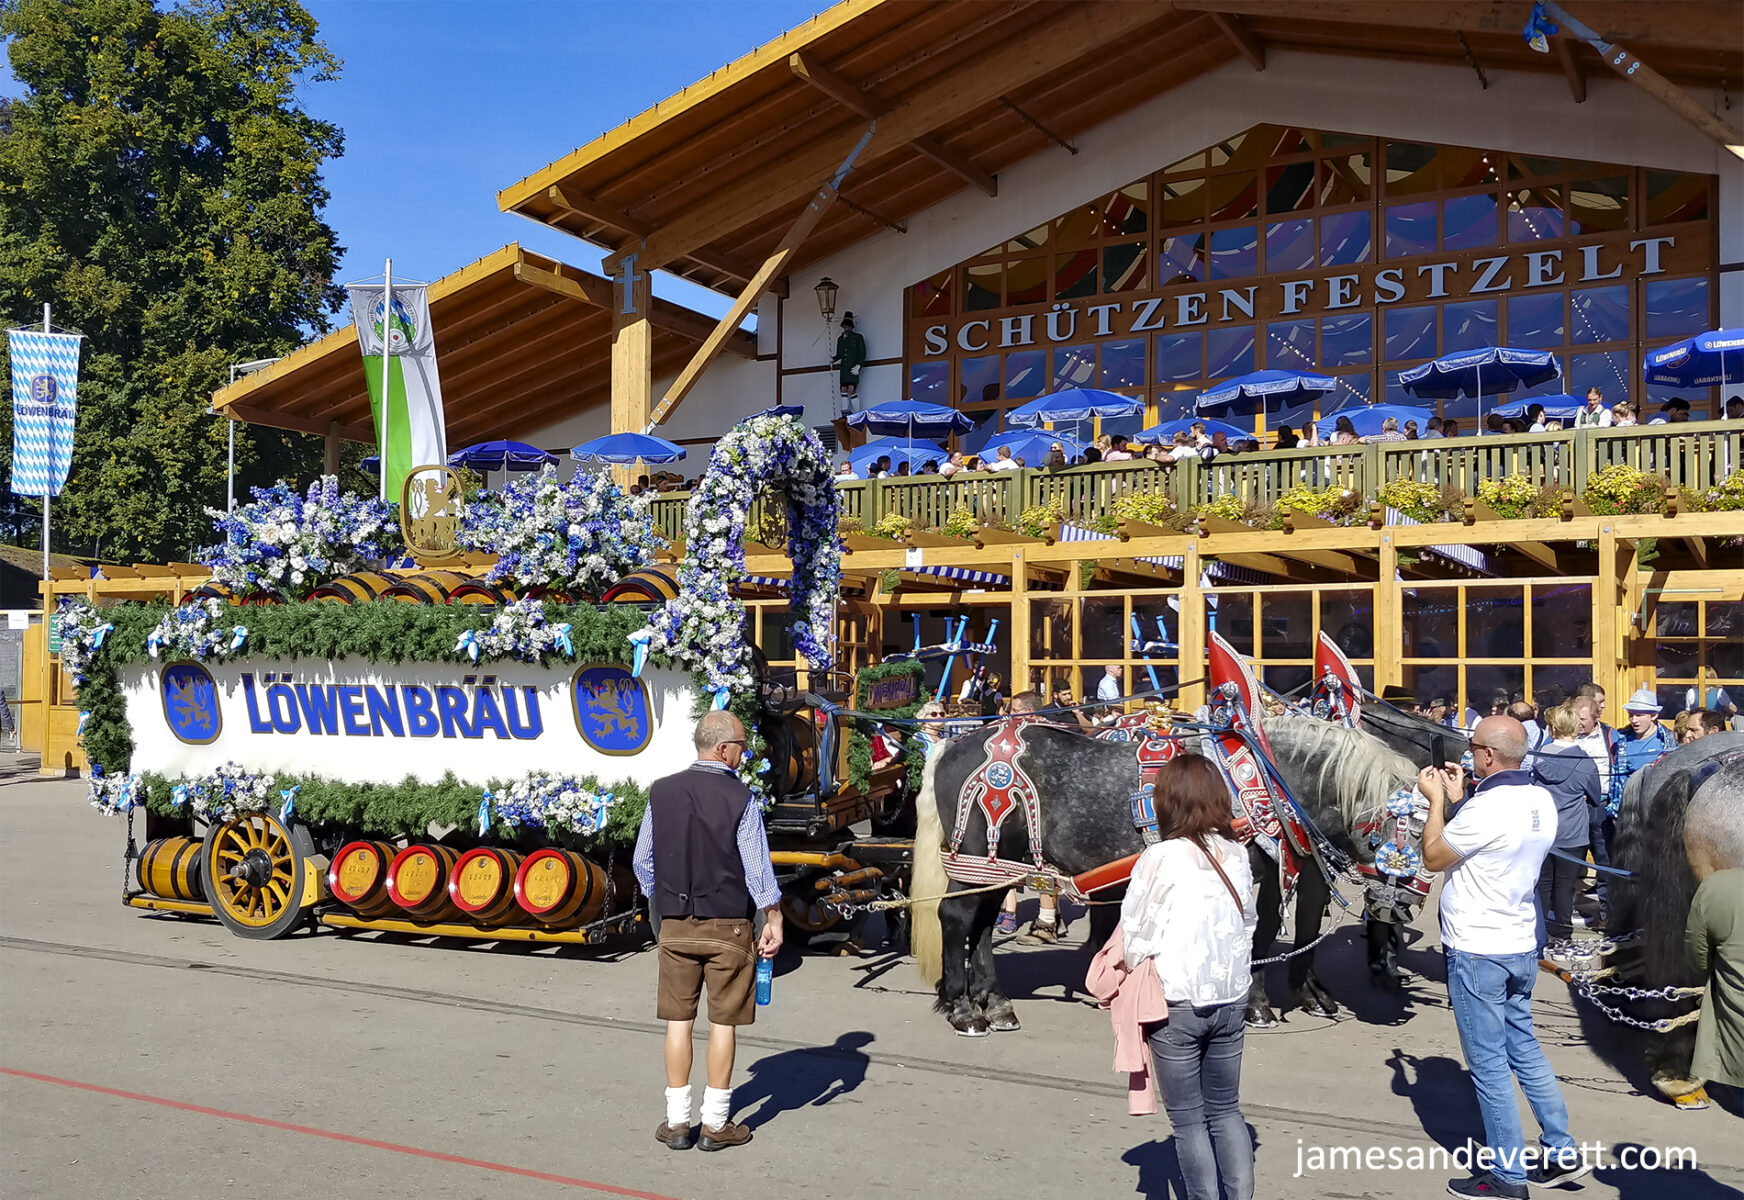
{"x": 1425, "y": 742}
{"x": 1084, "y": 786}
{"x": 1672, "y": 818}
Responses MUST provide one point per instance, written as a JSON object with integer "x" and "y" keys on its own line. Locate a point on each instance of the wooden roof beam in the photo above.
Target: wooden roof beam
{"x": 1617, "y": 20}
{"x": 1243, "y": 38}
{"x": 1577, "y": 83}
{"x": 1036, "y": 125}
{"x": 1038, "y": 53}
{"x": 856, "y": 99}
{"x": 314, "y": 425}
{"x": 600, "y": 213}
{"x": 591, "y": 289}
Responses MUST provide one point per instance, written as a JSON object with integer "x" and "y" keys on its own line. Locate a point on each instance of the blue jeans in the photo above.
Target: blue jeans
{"x": 1198, "y": 1059}
{"x": 1492, "y": 1005}
{"x": 1600, "y": 828}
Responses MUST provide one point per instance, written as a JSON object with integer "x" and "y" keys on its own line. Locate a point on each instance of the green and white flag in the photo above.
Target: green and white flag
{"x": 415, "y": 434}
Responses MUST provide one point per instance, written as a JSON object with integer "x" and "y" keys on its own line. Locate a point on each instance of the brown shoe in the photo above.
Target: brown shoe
{"x": 1040, "y": 935}
{"x": 675, "y": 1137}
{"x": 720, "y": 1139}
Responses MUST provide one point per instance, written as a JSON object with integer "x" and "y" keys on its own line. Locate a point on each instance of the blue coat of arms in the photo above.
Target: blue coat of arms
{"x": 190, "y": 703}
{"x": 611, "y": 710}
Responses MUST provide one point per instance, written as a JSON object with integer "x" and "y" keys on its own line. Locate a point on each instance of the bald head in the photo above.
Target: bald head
{"x": 719, "y": 736}
{"x": 1505, "y": 740}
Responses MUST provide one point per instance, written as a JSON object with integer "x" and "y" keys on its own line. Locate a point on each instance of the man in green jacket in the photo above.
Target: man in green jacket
{"x": 1715, "y": 940}
{"x": 850, "y": 357}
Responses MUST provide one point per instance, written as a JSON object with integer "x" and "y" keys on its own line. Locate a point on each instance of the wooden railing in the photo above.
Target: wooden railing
{"x": 1693, "y": 455}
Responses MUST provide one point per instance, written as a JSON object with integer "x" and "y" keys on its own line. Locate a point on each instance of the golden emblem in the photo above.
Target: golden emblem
{"x": 430, "y": 504}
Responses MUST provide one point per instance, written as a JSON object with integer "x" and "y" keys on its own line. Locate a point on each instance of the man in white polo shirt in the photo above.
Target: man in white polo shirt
{"x": 1492, "y": 851}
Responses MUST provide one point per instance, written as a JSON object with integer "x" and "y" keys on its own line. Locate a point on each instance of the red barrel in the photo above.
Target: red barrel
{"x": 561, "y": 889}
{"x": 482, "y": 885}
{"x": 418, "y": 882}
{"x": 358, "y": 879}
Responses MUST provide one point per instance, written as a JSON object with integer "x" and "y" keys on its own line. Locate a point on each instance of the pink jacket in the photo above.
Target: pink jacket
{"x": 1133, "y": 999}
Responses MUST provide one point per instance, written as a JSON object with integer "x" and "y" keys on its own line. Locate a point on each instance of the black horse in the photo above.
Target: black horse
{"x": 1086, "y": 821}
{"x": 1653, "y": 903}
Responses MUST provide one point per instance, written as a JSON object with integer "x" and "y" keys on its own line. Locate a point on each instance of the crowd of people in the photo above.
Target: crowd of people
{"x": 1199, "y": 441}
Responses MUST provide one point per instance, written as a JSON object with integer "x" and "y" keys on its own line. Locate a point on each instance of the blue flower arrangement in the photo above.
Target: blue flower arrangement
{"x": 548, "y": 802}
{"x": 580, "y": 537}
{"x": 292, "y": 544}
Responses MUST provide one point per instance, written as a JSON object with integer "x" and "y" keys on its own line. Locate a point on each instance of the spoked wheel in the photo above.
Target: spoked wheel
{"x": 805, "y": 918}
{"x": 255, "y": 875}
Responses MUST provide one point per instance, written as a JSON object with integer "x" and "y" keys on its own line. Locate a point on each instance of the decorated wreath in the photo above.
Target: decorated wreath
{"x": 580, "y": 537}
{"x": 704, "y": 625}
{"x": 292, "y": 544}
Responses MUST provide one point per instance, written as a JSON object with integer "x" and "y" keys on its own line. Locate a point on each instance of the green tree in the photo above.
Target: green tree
{"x": 160, "y": 185}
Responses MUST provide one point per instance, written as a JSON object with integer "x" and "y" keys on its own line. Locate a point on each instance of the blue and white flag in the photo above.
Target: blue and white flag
{"x": 45, "y": 386}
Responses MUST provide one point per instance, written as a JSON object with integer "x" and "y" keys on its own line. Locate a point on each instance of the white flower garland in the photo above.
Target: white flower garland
{"x": 288, "y": 543}
{"x": 581, "y": 536}
{"x": 543, "y": 801}
{"x": 112, "y": 794}
{"x": 229, "y": 791}
{"x": 83, "y": 632}
{"x": 189, "y": 631}
{"x": 518, "y": 631}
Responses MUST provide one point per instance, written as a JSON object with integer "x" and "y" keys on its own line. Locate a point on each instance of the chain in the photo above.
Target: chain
{"x": 128, "y": 855}
{"x": 1583, "y": 948}
{"x": 1636, "y": 993}
{"x": 1589, "y": 992}
{"x": 1278, "y": 958}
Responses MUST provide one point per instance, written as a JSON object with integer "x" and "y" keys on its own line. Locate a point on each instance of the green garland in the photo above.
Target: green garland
{"x": 378, "y": 632}
{"x": 860, "y": 743}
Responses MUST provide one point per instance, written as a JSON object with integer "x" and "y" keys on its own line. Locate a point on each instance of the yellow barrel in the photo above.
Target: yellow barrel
{"x": 358, "y": 879}
{"x": 655, "y": 585}
{"x": 560, "y": 888}
{"x": 357, "y": 588}
{"x": 550, "y": 594}
{"x": 170, "y": 867}
{"x": 482, "y": 885}
{"x": 477, "y": 591}
{"x": 418, "y": 882}
{"x": 438, "y": 587}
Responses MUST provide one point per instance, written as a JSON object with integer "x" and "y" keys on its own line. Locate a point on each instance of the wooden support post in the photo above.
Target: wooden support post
{"x": 1607, "y": 620}
{"x": 1389, "y": 633}
{"x": 1019, "y": 624}
{"x": 1191, "y": 626}
{"x": 632, "y": 355}
{"x": 330, "y": 452}
{"x": 1242, "y": 38}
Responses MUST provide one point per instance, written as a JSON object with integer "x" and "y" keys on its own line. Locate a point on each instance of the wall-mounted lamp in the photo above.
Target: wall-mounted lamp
{"x": 826, "y": 290}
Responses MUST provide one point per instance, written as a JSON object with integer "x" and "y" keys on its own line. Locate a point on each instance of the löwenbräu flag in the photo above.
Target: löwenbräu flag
{"x": 416, "y": 435}
{"x": 45, "y": 393}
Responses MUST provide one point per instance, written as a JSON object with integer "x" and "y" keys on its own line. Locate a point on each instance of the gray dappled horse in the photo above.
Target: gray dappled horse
{"x": 1658, "y": 844}
{"x": 1085, "y": 788}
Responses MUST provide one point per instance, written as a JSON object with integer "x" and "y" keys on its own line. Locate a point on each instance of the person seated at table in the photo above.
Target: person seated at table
{"x": 1344, "y": 432}
{"x": 952, "y": 465}
{"x": 1535, "y": 418}
{"x": 929, "y": 467}
{"x": 1450, "y": 428}
{"x": 1389, "y": 431}
{"x": 1287, "y": 439}
{"x": 1159, "y": 453}
{"x": 1200, "y": 438}
{"x": 1004, "y": 461}
{"x": 1056, "y": 457}
{"x": 1117, "y": 451}
{"x": 902, "y": 471}
{"x": 1091, "y": 455}
{"x": 845, "y": 472}
{"x": 1623, "y": 414}
{"x": 1411, "y": 434}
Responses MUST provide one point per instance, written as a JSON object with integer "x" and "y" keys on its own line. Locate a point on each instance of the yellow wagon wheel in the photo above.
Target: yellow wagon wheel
{"x": 256, "y": 875}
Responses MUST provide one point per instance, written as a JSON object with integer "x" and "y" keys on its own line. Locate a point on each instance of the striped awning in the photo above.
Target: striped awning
{"x": 1216, "y": 572}
{"x": 1469, "y": 557}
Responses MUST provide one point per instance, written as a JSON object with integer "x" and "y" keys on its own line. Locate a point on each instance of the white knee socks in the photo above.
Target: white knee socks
{"x": 717, "y": 1107}
{"x": 678, "y": 1105}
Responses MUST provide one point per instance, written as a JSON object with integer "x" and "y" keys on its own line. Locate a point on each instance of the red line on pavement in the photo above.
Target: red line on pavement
{"x": 459, "y": 1160}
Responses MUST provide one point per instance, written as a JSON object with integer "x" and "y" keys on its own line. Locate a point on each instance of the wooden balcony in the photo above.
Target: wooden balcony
{"x": 1692, "y": 455}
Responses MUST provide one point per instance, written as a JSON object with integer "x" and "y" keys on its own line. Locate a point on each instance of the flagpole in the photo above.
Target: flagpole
{"x": 387, "y": 326}
{"x": 46, "y": 329}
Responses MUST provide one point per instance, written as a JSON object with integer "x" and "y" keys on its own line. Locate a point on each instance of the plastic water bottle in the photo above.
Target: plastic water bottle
{"x": 765, "y": 979}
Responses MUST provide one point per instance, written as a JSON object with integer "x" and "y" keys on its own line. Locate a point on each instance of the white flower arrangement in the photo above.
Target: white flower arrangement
{"x": 83, "y": 632}
{"x": 112, "y": 794}
{"x": 580, "y": 537}
{"x": 228, "y": 792}
{"x": 193, "y": 630}
{"x": 283, "y": 542}
{"x": 519, "y": 630}
{"x": 550, "y": 802}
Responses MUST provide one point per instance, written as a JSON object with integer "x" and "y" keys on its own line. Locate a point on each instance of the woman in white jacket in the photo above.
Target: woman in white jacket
{"x": 1190, "y": 910}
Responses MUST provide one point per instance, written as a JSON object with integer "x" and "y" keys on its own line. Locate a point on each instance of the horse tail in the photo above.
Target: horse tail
{"x": 925, "y": 936}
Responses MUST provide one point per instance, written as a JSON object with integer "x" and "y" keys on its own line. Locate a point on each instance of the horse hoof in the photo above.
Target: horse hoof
{"x": 1003, "y": 1019}
{"x": 976, "y": 1028}
{"x": 1259, "y": 1016}
{"x": 1316, "y": 1004}
{"x": 1692, "y": 1101}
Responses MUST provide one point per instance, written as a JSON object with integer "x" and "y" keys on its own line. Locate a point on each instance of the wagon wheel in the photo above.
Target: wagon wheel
{"x": 805, "y": 917}
{"x": 255, "y": 875}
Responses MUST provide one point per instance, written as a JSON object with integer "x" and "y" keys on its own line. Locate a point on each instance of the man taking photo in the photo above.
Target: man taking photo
{"x": 1492, "y": 851}
{"x": 702, "y": 859}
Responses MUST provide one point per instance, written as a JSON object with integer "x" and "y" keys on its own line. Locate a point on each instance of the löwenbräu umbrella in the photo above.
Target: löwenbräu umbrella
{"x": 623, "y": 449}
{"x": 1259, "y": 390}
{"x": 1487, "y": 371}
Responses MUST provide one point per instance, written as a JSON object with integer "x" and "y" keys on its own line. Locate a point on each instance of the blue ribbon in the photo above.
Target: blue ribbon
{"x": 100, "y": 634}
{"x": 720, "y": 694}
{"x": 290, "y": 804}
{"x": 80, "y": 731}
{"x": 639, "y": 640}
{"x": 153, "y": 642}
{"x": 238, "y": 635}
{"x": 563, "y": 643}
{"x": 484, "y": 818}
{"x": 179, "y": 797}
{"x": 469, "y": 643}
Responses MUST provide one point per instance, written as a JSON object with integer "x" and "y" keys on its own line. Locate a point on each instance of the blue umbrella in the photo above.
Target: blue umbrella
{"x": 1368, "y": 420}
{"x": 910, "y": 418}
{"x": 1487, "y": 371}
{"x": 1165, "y": 431}
{"x": 486, "y": 456}
{"x": 1252, "y": 393}
{"x": 1561, "y": 407}
{"x": 782, "y": 410}
{"x": 622, "y": 449}
{"x": 1716, "y": 356}
{"x": 915, "y": 454}
{"x": 1032, "y": 445}
{"x": 1074, "y": 404}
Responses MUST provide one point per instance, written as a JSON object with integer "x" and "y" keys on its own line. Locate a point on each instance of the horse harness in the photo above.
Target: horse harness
{"x": 999, "y": 786}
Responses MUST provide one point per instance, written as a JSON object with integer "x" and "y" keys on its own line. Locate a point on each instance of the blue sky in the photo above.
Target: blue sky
{"x": 444, "y": 102}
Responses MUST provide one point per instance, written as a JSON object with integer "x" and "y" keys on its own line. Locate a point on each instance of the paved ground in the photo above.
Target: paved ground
{"x": 158, "y": 1057}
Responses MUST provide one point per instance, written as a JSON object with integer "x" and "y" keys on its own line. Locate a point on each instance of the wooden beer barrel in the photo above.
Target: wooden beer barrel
{"x": 655, "y": 585}
{"x": 482, "y": 885}
{"x": 228, "y": 594}
{"x": 477, "y": 591}
{"x": 551, "y": 594}
{"x": 418, "y": 882}
{"x": 357, "y": 588}
{"x": 560, "y": 888}
{"x": 358, "y": 879}
{"x": 170, "y": 867}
